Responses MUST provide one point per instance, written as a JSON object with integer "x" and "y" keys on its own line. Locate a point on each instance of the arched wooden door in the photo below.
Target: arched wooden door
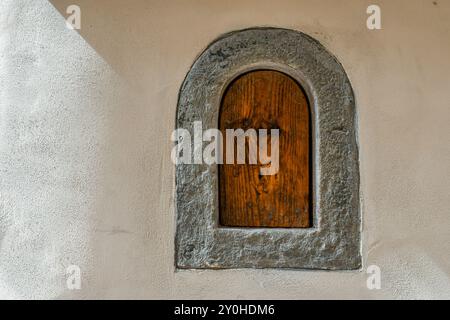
{"x": 267, "y": 99}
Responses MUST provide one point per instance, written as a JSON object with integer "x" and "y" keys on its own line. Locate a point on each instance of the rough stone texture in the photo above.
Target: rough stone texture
{"x": 334, "y": 242}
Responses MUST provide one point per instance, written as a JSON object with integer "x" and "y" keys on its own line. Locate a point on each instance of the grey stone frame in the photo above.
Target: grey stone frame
{"x": 334, "y": 241}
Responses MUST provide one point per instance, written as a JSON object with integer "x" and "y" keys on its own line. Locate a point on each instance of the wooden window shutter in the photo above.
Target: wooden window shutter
{"x": 267, "y": 99}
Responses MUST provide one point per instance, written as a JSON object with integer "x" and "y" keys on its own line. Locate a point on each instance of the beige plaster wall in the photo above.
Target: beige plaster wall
{"x": 85, "y": 123}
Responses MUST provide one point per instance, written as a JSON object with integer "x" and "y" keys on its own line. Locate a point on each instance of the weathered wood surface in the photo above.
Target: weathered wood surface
{"x": 266, "y": 99}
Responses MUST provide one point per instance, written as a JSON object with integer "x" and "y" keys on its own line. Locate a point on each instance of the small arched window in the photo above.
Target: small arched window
{"x": 266, "y": 99}
{"x": 237, "y": 214}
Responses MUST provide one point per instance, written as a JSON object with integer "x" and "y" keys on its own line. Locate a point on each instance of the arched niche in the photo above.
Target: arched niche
{"x": 333, "y": 239}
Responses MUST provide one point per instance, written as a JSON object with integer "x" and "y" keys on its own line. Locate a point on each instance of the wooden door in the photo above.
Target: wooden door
{"x": 266, "y": 99}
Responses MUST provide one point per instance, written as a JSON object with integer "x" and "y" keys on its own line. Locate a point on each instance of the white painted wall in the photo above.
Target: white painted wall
{"x": 85, "y": 123}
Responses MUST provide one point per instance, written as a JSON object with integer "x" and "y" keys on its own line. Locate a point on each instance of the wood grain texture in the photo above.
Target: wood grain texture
{"x": 266, "y": 99}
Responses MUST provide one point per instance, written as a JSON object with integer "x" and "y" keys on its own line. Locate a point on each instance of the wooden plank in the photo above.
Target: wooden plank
{"x": 266, "y": 99}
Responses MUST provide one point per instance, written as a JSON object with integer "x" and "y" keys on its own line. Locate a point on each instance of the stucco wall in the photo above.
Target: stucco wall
{"x": 85, "y": 123}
